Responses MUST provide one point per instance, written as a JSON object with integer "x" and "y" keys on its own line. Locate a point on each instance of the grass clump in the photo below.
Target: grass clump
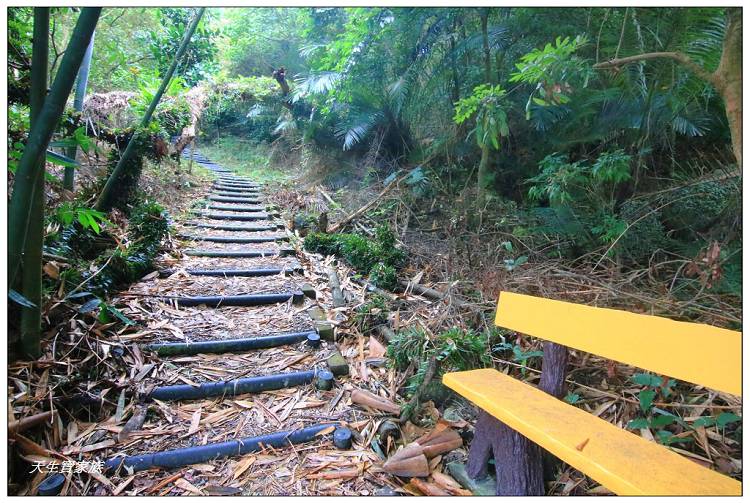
{"x": 372, "y": 313}
{"x": 453, "y": 350}
{"x": 378, "y": 258}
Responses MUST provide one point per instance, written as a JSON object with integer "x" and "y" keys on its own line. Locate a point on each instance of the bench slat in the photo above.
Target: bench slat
{"x": 700, "y": 354}
{"x": 619, "y": 460}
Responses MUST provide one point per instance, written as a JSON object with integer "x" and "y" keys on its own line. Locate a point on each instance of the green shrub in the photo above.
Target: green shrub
{"x": 384, "y": 276}
{"x": 147, "y": 228}
{"x": 645, "y": 236}
{"x": 372, "y": 313}
{"x": 379, "y": 258}
{"x": 454, "y": 350}
{"x": 697, "y": 207}
{"x": 325, "y": 244}
{"x": 173, "y": 115}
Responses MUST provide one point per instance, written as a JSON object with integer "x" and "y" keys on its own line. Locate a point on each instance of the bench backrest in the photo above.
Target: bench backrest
{"x": 697, "y": 353}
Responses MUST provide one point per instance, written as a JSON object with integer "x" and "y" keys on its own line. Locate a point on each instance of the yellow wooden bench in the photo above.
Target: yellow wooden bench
{"x": 519, "y": 417}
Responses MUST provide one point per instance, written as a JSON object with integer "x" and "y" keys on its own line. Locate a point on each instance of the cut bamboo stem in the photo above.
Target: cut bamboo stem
{"x": 368, "y": 399}
{"x": 338, "y": 295}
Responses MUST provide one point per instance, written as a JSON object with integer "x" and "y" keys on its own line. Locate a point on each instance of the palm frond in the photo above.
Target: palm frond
{"x": 357, "y": 126}
{"x": 317, "y": 83}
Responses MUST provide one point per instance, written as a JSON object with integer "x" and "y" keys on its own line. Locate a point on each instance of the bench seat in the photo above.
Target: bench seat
{"x": 619, "y": 460}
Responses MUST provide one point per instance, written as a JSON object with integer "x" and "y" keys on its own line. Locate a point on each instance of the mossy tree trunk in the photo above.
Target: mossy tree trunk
{"x": 125, "y": 176}
{"x": 25, "y": 211}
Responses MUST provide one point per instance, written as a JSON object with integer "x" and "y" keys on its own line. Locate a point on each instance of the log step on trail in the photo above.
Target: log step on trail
{"x": 238, "y": 193}
{"x": 237, "y": 228}
{"x": 228, "y": 199}
{"x": 236, "y": 182}
{"x": 177, "y": 458}
{"x": 238, "y": 218}
{"x": 282, "y": 252}
{"x": 236, "y": 185}
{"x": 255, "y": 299}
{"x": 244, "y": 209}
{"x": 238, "y": 188}
{"x": 234, "y": 345}
{"x": 232, "y": 239}
{"x": 235, "y": 387}
{"x": 234, "y": 272}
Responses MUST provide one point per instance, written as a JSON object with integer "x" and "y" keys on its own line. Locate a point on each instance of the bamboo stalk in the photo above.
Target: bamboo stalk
{"x": 31, "y": 279}
{"x": 338, "y": 295}
{"x": 83, "y": 79}
{"x": 25, "y": 423}
{"x": 107, "y": 196}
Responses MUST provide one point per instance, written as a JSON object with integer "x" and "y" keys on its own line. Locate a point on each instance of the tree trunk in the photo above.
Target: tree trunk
{"x": 31, "y": 279}
{"x": 119, "y": 175}
{"x": 519, "y": 462}
{"x": 83, "y": 79}
{"x": 456, "y": 82}
{"x": 482, "y": 173}
{"x": 730, "y": 74}
{"x": 485, "y": 14}
{"x": 727, "y": 79}
{"x": 24, "y": 243}
{"x": 485, "y": 161}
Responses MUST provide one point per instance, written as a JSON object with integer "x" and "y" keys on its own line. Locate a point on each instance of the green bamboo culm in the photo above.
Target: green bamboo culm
{"x": 107, "y": 198}
{"x": 81, "y": 84}
{"x": 31, "y": 278}
{"x": 25, "y": 211}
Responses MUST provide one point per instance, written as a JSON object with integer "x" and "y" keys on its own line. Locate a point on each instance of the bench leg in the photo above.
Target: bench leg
{"x": 518, "y": 461}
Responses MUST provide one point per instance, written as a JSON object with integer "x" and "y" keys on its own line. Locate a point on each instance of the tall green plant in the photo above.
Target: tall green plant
{"x": 107, "y": 197}
{"x": 487, "y": 104}
{"x": 24, "y": 215}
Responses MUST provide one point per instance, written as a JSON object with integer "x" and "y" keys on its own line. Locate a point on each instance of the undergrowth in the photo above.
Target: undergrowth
{"x": 453, "y": 350}
{"x": 378, "y": 258}
{"x": 102, "y": 264}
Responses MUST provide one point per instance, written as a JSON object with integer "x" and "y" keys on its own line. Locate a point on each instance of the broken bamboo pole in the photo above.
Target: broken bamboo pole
{"x": 345, "y": 221}
{"x": 25, "y": 423}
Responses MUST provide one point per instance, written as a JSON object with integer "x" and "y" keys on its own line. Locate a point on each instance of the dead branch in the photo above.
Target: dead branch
{"x": 343, "y": 223}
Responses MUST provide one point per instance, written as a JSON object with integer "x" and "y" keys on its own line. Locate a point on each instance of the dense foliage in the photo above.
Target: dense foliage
{"x": 512, "y": 120}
